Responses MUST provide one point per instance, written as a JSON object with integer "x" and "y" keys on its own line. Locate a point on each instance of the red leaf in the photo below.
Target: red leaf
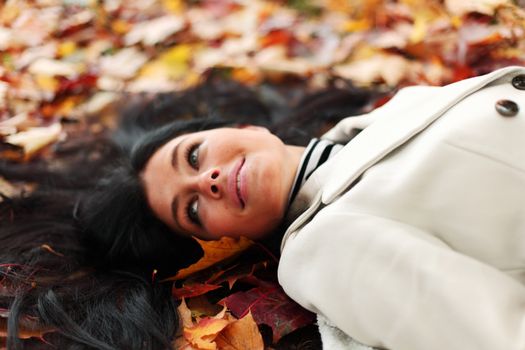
{"x": 277, "y": 37}
{"x": 193, "y": 290}
{"x": 271, "y": 306}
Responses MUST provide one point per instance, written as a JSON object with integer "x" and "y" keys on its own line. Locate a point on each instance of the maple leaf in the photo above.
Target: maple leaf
{"x": 236, "y": 273}
{"x": 214, "y": 252}
{"x": 271, "y": 306}
{"x": 203, "y": 334}
{"x": 193, "y": 290}
{"x": 241, "y": 335}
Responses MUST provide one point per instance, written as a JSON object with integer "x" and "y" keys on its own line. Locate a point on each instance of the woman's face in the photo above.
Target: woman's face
{"x": 222, "y": 182}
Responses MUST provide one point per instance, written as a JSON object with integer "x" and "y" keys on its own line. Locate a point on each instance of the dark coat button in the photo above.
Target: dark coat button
{"x": 519, "y": 82}
{"x": 507, "y": 108}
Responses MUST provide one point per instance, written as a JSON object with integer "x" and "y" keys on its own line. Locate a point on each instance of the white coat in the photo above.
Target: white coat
{"x": 412, "y": 237}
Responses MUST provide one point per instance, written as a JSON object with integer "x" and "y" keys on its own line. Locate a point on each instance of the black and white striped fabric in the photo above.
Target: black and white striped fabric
{"x": 316, "y": 153}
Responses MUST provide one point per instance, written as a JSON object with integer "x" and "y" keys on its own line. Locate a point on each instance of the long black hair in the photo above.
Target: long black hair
{"x": 82, "y": 254}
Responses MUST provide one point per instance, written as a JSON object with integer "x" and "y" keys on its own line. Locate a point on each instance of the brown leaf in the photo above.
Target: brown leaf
{"x": 185, "y": 314}
{"x": 242, "y": 334}
{"x": 200, "y": 307}
{"x": 193, "y": 290}
{"x": 271, "y": 306}
{"x": 237, "y": 272}
{"x": 214, "y": 252}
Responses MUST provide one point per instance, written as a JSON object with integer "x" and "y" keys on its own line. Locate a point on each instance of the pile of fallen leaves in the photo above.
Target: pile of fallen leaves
{"x": 62, "y": 62}
{"x": 217, "y": 313}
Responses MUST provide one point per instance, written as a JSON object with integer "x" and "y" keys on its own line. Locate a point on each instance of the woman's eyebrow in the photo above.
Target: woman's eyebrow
{"x": 175, "y": 154}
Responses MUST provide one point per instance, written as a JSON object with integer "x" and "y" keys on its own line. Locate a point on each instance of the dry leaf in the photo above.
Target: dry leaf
{"x": 172, "y": 64}
{"x": 391, "y": 69}
{"x": 45, "y": 66}
{"x": 242, "y": 334}
{"x": 3, "y": 94}
{"x": 125, "y": 64}
{"x": 201, "y": 307}
{"x": 154, "y": 31}
{"x": 463, "y": 7}
{"x": 214, "y": 252}
{"x": 271, "y": 306}
{"x": 203, "y": 334}
{"x": 34, "y": 139}
{"x": 193, "y": 290}
{"x": 185, "y": 314}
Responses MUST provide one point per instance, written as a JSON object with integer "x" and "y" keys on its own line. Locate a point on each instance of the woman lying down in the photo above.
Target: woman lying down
{"x": 403, "y": 228}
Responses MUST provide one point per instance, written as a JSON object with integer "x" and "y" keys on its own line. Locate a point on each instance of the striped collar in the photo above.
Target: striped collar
{"x": 316, "y": 153}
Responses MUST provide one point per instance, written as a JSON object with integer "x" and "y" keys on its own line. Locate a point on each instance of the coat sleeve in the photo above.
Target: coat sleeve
{"x": 391, "y": 285}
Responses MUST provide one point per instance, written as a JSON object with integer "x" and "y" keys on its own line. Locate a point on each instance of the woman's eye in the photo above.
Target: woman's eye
{"x": 192, "y": 211}
{"x": 192, "y": 155}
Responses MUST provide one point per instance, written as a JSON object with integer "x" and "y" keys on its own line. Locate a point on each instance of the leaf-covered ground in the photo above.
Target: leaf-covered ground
{"x": 64, "y": 61}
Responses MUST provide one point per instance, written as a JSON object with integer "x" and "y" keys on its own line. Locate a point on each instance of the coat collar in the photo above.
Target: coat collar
{"x": 411, "y": 111}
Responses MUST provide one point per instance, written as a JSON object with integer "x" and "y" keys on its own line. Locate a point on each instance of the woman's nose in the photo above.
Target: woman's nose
{"x": 210, "y": 184}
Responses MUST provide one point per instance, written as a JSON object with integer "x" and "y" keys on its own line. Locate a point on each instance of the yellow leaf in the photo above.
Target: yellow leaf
{"x": 419, "y": 30}
{"x": 357, "y": 25}
{"x": 120, "y": 26}
{"x": 66, "y": 48}
{"x": 175, "y": 6}
{"x": 456, "y": 21}
{"x": 214, "y": 251}
{"x": 203, "y": 334}
{"x": 46, "y": 82}
{"x": 240, "y": 335}
{"x": 172, "y": 64}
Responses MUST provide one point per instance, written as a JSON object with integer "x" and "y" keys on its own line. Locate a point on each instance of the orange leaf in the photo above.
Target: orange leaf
{"x": 193, "y": 290}
{"x": 240, "y": 335}
{"x": 214, "y": 252}
{"x": 203, "y": 334}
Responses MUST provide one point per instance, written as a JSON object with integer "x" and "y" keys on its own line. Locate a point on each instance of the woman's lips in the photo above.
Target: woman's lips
{"x": 237, "y": 184}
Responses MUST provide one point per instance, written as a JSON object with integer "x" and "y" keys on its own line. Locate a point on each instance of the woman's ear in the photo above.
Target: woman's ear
{"x": 253, "y": 127}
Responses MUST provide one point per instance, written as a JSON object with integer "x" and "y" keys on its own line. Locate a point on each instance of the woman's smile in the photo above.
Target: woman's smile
{"x": 229, "y": 182}
{"x": 234, "y": 184}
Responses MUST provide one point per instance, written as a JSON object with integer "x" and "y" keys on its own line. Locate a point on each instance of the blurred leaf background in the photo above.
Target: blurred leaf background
{"x": 62, "y": 62}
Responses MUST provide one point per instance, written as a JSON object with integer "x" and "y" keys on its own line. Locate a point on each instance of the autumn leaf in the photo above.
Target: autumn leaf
{"x": 214, "y": 252}
{"x": 172, "y": 64}
{"x": 201, "y": 306}
{"x": 34, "y": 139}
{"x": 237, "y": 272}
{"x": 462, "y": 7}
{"x": 271, "y": 306}
{"x": 154, "y": 31}
{"x": 242, "y": 334}
{"x": 203, "y": 334}
{"x": 193, "y": 290}
{"x": 185, "y": 314}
